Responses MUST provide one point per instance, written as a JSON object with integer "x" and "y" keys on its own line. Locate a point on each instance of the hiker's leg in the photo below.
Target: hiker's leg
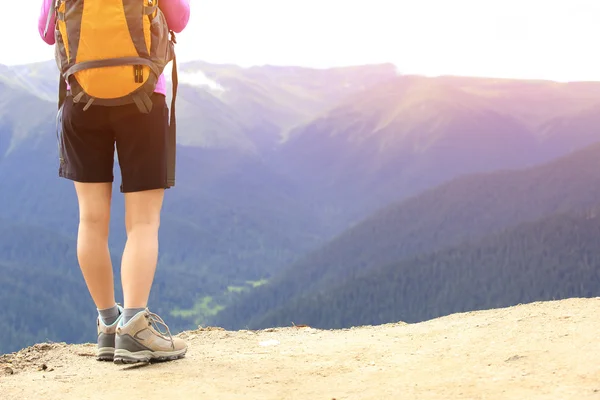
{"x": 86, "y": 146}
{"x": 137, "y": 339}
{"x": 141, "y": 147}
{"x": 142, "y": 150}
{"x": 92, "y": 241}
{"x": 142, "y": 221}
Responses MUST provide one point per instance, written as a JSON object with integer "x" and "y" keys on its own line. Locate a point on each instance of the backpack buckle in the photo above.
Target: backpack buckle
{"x": 138, "y": 74}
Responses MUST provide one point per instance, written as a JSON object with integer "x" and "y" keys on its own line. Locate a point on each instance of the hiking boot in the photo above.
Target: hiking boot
{"x": 106, "y": 338}
{"x": 140, "y": 340}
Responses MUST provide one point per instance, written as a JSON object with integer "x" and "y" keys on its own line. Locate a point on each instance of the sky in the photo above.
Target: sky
{"x": 533, "y": 39}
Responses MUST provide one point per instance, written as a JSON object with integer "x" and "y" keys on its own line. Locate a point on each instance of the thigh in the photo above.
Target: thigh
{"x": 86, "y": 144}
{"x": 142, "y": 145}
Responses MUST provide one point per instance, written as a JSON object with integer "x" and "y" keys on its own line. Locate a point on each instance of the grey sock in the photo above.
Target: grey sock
{"x": 129, "y": 313}
{"x": 109, "y": 315}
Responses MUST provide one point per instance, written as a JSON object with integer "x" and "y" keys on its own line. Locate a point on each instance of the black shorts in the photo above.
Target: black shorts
{"x": 88, "y": 140}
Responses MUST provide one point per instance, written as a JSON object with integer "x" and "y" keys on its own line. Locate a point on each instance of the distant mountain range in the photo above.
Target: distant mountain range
{"x": 295, "y": 181}
{"x": 411, "y": 133}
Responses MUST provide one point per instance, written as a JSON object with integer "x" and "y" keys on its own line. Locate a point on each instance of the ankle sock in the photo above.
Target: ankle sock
{"x": 109, "y": 315}
{"x": 129, "y": 313}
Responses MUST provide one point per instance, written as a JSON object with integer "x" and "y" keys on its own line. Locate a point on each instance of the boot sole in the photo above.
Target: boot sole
{"x": 123, "y": 356}
{"x": 105, "y": 354}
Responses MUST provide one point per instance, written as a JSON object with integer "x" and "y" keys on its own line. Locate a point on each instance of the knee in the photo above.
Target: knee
{"x": 146, "y": 224}
{"x": 95, "y": 220}
{"x": 142, "y": 210}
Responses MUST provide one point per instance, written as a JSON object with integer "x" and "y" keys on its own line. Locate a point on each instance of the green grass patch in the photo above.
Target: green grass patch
{"x": 256, "y": 284}
{"x": 208, "y": 306}
{"x": 203, "y": 308}
{"x": 236, "y": 289}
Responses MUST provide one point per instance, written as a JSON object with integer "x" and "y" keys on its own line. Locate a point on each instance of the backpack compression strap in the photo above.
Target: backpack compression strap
{"x": 172, "y": 134}
{"x": 62, "y": 91}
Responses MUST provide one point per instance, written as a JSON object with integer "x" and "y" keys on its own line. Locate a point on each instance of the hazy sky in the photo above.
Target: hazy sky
{"x": 546, "y": 39}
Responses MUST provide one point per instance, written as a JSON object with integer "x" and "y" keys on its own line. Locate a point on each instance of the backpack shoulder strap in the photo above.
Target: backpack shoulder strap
{"x": 62, "y": 85}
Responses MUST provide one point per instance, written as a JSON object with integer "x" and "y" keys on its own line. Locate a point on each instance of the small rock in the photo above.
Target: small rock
{"x": 43, "y": 367}
{"x": 8, "y": 371}
{"x": 209, "y": 328}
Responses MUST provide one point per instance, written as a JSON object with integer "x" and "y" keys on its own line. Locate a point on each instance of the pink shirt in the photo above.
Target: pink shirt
{"x": 177, "y": 14}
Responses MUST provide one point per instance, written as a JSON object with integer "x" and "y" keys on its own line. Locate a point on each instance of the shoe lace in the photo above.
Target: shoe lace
{"x": 155, "y": 321}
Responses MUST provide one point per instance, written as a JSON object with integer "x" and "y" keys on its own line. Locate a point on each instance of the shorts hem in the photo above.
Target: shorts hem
{"x": 142, "y": 188}
{"x": 73, "y": 177}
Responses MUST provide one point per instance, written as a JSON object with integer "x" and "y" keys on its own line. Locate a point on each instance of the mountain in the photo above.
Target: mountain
{"x": 571, "y": 131}
{"x": 464, "y": 209}
{"x": 43, "y": 293}
{"x": 412, "y": 133}
{"x": 40, "y": 78}
{"x": 532, "y": 102}
{"x": 220, "y": 127}
{"x": 555, "y": 258}
{"x": 23, "y": 117}
{"x": 284, "y": 97}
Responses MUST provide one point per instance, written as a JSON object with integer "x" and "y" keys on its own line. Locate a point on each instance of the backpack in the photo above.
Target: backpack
{"x": 112, "y": 53}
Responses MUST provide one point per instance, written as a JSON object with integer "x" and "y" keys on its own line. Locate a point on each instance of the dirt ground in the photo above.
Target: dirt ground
{"x": 537, "y": 351}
